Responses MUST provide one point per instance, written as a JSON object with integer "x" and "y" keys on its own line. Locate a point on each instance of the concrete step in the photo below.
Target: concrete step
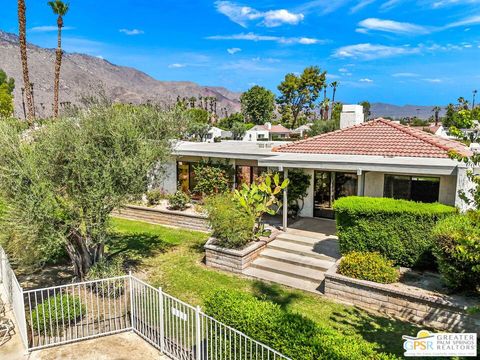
{"x": 295, "y": 259}
{"x": 299, "y": 249}
{"x": 300, "y": 239}
{"x": 284, "y": 280}
{"x": 296, "y": 271}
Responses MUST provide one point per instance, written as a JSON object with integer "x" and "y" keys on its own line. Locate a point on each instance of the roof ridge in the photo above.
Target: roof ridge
{"x": 303, "y": 141}
{"x": 421, "y": 135}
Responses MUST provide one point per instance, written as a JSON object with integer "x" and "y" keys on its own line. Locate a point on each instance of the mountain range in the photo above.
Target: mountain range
{"x": 84, "y": 76}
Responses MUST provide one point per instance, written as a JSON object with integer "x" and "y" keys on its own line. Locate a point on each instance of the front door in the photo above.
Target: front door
{"x": 330, "y": 186}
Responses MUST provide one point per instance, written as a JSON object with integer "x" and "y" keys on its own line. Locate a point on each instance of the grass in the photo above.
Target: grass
{"x": 172, "y": 259}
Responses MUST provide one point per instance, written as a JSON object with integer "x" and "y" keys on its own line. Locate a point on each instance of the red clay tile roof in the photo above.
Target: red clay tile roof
{"x": 379, "y": 137}
{"x": 275, "y": 128}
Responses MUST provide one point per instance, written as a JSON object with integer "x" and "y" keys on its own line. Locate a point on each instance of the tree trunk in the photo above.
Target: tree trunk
{"x": 22, "y": 36}
{"x": 58, "y": 64}
{"x": 81, "y": 255}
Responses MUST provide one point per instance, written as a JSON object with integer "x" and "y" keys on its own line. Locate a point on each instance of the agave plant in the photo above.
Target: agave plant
{"x": 261, "y": 198}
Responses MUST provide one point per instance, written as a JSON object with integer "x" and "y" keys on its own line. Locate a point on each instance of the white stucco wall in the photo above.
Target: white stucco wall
{"x": 307, "y": 210}
{"x": 448, "y": 190}
{"x": 465, "y": 184}
{"x": 373, "y": 184}
{"x": 165, "y": 177}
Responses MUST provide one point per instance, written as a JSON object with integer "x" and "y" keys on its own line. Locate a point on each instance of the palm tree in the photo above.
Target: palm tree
{"x": 325, "y": 105}
{"x": 334, "y": 85}
{"x": 22, "y": 36}
{"x": 60, "y": 9}
{"x": 473, "y": 100}
{"x": 436, "y": 110}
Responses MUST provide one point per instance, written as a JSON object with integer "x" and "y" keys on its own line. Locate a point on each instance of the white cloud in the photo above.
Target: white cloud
{"x": 176, "y": 66}
{"x": 360, "y": 5}
{"x": 433, "y": 81}
{"x": 242, "y": 15}
{"x": 391, "y": 26}
{"x": 279, "y": 39}
{"x": 369, "y": 51}
{"x": 468, "y": 21}
{"x": 343, "y": 70}
{"x": 405, "y": 75}
{"x": 444, "y": 3}
{"x": 232, "y": 51}
{"x": 48, "y": 28}
{"x": 366, "y": 80}
{"x": 131, "y": 31}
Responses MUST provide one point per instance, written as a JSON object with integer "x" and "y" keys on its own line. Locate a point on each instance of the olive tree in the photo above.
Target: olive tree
{"x": 62, "y": 181}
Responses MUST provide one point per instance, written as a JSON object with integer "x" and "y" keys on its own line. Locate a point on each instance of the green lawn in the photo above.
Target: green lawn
{"x": 172, "y": 259}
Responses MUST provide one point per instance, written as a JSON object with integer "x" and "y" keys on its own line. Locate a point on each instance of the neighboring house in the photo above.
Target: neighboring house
{"x": 267, "y": 132}
{"x": 217, "y": 133}
{"x": 438, "y": 130}
{"x": 303, "y": 130}
{"x": 379, "y": 158}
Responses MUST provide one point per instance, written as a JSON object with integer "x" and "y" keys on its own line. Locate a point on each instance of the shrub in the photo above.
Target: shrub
{"x": 231, "y": 225}
{"x": 104, "y": 269}
{"x": 155, "y": 196}
{"x": 291, "y": 334}
{"x": 66, "y": 307}
{"x": 178, "y": 201}
{"x": 368, "y": 266}
{"x": 212, "y": 178}
{"x": 397, "y": 229}
{"x": 458, "y": 250}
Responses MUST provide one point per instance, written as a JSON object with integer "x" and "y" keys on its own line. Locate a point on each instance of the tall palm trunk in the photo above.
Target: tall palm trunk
{"x": 22, "y": 36}
{"x": 333, "y": 102}
{"x": 58, "y": 64}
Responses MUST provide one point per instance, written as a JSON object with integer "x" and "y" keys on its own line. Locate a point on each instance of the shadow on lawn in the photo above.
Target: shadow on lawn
{"x": 135, "y": 247}
{"x": 274, "y": 293}
{"x": 385, "y": 332}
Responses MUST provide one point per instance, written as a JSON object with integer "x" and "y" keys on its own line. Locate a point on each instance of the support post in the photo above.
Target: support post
{"x": 285, "y": 203}
{"x": 198, "y": 347}
{"x": 162, "y": 320}
{"x": 130, "y": 283}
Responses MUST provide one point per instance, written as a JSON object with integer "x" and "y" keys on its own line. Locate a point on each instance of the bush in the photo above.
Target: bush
{"x": 458, "y": 250}
{"x": 291, "y": 334}
{"x": 212, "y": 178}
{"x": 105, "y": 269}
{"x": 66, "y": 307}
{"x": 231, "y": 225}
{"x": 369, "y": 266}
{"x": 178, "y": 201}
{"x": 398, "y": 229}
{"x": 155, "y": 196}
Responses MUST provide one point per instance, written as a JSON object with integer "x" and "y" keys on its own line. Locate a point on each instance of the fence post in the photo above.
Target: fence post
{"x": 130, "y": 279}
{"x": 162, "y": 320}
{"x": 22, "y": 323}
{"x": 198, "y": 333}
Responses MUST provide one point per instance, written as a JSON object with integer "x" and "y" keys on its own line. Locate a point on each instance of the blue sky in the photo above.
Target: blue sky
{"x": 422, "y": 52}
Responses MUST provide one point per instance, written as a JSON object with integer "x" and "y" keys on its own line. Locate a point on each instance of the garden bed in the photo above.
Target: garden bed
{"x": 235, "y": 260}
{"x": 160, "y": 214}
{"x": 418, "y": 298}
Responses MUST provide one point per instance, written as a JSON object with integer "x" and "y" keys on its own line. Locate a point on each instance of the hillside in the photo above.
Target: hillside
{"x": 84, "y": 75}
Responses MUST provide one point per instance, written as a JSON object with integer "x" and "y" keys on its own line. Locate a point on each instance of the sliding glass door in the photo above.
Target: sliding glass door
{"x": 330, "y": 186}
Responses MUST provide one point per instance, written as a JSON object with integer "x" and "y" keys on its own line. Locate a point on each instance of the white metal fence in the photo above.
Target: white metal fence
{"x": 68, "y": 313}
{"x": 14, "y": 294}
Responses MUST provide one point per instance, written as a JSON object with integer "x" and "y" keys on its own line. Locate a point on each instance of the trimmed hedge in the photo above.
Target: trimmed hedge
{"x": 370, "y": 266}
{"x": 401, "y": 230}
{"x": 458, "y": 250}
{"x": 289, "y": 333}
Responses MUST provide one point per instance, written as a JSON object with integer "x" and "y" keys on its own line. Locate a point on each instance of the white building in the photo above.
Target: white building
{"x": 267, "y": 132}
{"x": 217, "y": 133}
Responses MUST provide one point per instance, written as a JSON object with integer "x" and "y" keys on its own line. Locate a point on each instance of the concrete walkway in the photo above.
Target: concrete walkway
{"x": 300, "y": 256}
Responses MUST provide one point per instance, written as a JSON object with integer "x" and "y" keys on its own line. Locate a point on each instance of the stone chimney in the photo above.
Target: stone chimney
{"x": 351, "y": 115}
{"x": 268, "y": 125}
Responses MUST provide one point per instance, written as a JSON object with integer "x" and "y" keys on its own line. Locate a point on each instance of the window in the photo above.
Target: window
{"x": 345, "y": 185}
{"x": 186, "y": 176}
{"x": 416, "y": 188}
{"x": 246, "y": 174}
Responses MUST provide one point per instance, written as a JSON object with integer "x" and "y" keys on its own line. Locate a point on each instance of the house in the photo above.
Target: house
{"x": 303, "y": 130}
{"x": 267, "y": 132}
{"x": 378, "y": 158}
{"x": 217, "y": 133}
